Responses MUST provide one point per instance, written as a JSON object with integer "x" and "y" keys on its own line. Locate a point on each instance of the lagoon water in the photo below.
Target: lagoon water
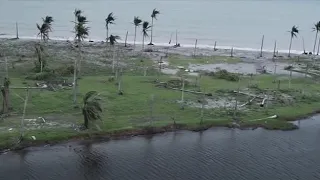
{"x": 240, "y": 24}
{"x": 214, "y": 154}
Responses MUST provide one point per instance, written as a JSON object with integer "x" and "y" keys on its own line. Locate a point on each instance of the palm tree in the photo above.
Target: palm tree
{"x": 137, "y": 22}
{"x": 109, "y": 20}
{"x": 317, "y": 29}
{"x": 112, "y": 40}
{"x": 91, "y": 108}
{"x": 294, "y": 31}
{"x": 154, "y": 14}
{"x": 145, "y": 29}
{"x": 81, "y": 32}
{"x": 45, "y": 28}
{"x": 48, "y": 20}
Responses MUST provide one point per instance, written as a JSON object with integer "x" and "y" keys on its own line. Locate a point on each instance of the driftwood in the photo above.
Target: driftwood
{"x": 247, "y": 102}
{"x": 270, "y": 117}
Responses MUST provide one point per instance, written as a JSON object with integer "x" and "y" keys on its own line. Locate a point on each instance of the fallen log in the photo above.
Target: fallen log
{"x": 247, "y": 102}
{"x": 270, "y": 117}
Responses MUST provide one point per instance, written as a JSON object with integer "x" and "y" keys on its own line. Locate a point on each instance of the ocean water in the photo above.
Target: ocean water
{"x": 232, "y": 23}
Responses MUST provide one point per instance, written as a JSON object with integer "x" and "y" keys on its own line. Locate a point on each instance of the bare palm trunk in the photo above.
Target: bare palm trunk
{"x": 17, "y": 31}
{"x": 125, "y": 42}
{"x": 113, "y": 57}
{"x": 261, "y": 46}
{"x": 107, "y": 31}
{"x": 135, "y": 36}
{"x": 75, "y": 82}
{"x": 86, "y": 120}
{"x": 290, "y": 46}
{"x": 5, "y": 102}
{"x": 80, "y": 59}
{"x": 142, "y": 42}
{"x": 151, "y": 31}
{"x": 318, "y": 46}
{"x": 315, "y": 43}
{"x": 75, "y": 75}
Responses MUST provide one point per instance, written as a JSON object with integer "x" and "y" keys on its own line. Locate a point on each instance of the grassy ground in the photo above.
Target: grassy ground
{"x": 135, "y": 110}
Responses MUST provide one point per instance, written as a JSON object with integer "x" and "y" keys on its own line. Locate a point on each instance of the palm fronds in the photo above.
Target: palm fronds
{"x": 113, "y": 39}
{"x": 91, "y": 107}
{"x": 294, "y": 31}
{"x": 45, "y": 28}
{"x": 154, "y": 14}
{"x": 137, "y": 21}
{"x": 145, "y": 28}
{"x": 110, "y": 19}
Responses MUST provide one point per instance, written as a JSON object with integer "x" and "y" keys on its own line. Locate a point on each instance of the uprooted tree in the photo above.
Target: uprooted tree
{"x": 5, "y": 96}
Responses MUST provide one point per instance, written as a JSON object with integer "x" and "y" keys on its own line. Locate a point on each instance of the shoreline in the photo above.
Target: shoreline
{"x": 121, "y": 134}
{"x": 238, "y": 51}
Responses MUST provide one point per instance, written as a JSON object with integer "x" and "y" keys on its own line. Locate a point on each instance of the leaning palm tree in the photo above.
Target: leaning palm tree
{"x": 109, "y": 20}
{"x": 154, "y": 14}
{"x": 293, "y": 33}
{"x": 81, "y": 32}
{"x": 112, "y": 40}
{"x": 137, "y": 22}
{"x": 45, "y": 28}
{"x": 48, "y": 20}
{"x": 91, "y": 108}
{"x": 317, "y": 29}
{"x": 145, "y": 29}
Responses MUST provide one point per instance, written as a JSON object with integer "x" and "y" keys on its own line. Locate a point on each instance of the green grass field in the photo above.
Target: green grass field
{"x": 136, "y": 109}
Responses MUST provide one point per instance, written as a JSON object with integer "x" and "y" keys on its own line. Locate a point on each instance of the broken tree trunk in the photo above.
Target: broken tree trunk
{"x": 125, "y": 43}
{"x": 215, "y": 46}
{"x": 195, "y": 48}
{"x": 261, "y": 46}
{"x": 5, "y": 95}
{"x": 231, "y": 53}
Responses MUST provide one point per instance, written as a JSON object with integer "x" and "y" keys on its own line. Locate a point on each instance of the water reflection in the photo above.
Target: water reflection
{"x": 213, "y": 154}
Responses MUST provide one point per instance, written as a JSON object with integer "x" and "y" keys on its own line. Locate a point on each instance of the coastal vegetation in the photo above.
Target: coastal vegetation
{"x": 137, "y": 92}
